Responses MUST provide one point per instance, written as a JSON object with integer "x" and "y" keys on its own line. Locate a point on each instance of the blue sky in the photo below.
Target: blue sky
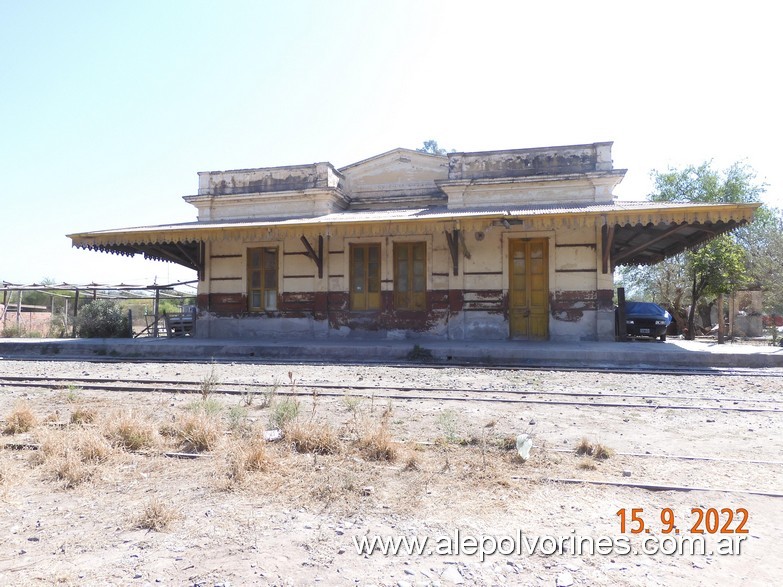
{"x": 109, "y": 109}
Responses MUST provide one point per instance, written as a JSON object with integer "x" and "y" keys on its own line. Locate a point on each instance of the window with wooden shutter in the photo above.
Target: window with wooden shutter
{"x": 365, "y": 277}
{"x": 410, "y": 276}
{"x": 262, "y": 279}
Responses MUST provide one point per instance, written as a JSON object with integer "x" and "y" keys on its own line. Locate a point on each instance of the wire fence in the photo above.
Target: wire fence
{"x": 52, "y": 311}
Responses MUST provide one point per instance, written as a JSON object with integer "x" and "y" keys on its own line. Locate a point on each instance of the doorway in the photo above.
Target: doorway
{"x": 528, "y": 289}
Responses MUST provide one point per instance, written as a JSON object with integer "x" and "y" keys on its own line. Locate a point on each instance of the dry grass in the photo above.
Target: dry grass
{"x": 597, "y": 451}
{"x": 585, "y": 447}
{"x": 377, "y": 445}
{"x": 72, "y": 456}
{"x": 168, "y": 429}
{"x": 339, "y": 482}
{"x": 200, "y": 432}
{"x": 411, "y": 463}
{"x": 246, "y": 456}
{"x": 70, "y": 469}
{"x": 157, "y": 515}
{"x": 82, "y": 415}
{"x": 92, "y": 447}
{"x": 312, "y": 437}
{"x": 602, "y": 452}
{"x": 22, "y": 419}
{"x": 256, "y": 455}
{"x": 508, "y": 443}
{"x": 130, "y": 431}
{"x": 587, "y": 465}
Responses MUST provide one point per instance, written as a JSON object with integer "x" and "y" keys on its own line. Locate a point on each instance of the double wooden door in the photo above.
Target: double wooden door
{"x": 528, "y": 289}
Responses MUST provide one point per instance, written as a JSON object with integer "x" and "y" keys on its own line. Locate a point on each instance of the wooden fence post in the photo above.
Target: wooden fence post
{"x": 75, "y": 310}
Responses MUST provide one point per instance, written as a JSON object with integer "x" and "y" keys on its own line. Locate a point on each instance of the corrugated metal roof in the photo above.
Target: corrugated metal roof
{"x": 431, "y": 213}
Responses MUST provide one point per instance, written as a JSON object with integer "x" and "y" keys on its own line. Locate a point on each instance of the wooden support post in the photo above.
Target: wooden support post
{"x": 622, "y": 330}
{"x": 452, "y": 238}
{"x": 155, "y": 311}
{"x": 75, "y": 310}
{"x": 607, "y": 240}
{"x": 130, "y": 323}
{"x": 5, "y": 307}
{"x": 720, "y": 318}
{"x": 202, "y": 259}
{"x": 18, "y": 310}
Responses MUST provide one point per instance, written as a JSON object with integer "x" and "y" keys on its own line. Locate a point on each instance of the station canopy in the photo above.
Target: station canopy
{"x": 633, "y": 233}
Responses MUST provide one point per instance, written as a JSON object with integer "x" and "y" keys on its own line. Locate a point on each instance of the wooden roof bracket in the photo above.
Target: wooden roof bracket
{"x": 453, "y": 239}
{"x": 318, "y": 258}
{"x": 195, "y": 263}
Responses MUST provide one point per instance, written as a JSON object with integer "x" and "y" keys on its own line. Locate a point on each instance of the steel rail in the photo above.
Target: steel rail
{"x": 774, "y": 372}
{"x": 32, "y": 381}
{"x": 176, "y": 390}
{"x": 650, "y": 486}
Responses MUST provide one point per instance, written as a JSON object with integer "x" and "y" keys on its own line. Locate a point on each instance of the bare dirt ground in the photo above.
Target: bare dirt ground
{"x": 99, "y": 503}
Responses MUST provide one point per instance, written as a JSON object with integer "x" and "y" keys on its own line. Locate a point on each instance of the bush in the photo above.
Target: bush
{"x": 102, "y": 319}
{"x": 13, "y": 332}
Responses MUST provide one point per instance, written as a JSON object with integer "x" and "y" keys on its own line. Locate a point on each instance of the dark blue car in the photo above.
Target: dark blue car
{"x": 645, "y": 319}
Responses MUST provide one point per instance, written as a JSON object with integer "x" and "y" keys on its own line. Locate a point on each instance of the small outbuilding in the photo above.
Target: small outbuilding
{"x": 493, "y": 245}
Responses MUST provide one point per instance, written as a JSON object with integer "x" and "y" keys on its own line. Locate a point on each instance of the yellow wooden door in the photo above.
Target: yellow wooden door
{"x": 528, "y": 291}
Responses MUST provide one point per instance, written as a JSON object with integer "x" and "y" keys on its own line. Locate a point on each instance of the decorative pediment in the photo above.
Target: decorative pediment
{"x": 394, "y": 176}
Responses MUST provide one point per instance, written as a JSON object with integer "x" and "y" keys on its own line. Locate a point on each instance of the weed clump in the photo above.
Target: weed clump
{"x": 156, "y": 515}
{"x": 130, "y": 431}
{"x": 377, "y": 444}
{"x": 420, "y": 354}
{"x": 598, "y": 451}
{"x": 199, "y": 432}
{"x": 22, "y": 419}
{"x": 72, "y": 457}
{"x": 92, "y": 447}
{"x": 283, "y": 412}
{"x": 208, "y": 384}
{"x": 508, "y": 443}
{"x": 206, "y": 405}
{"x": 244, "y": 457}
{"x": 411, "y": 463}
{"x": 83, "y": 415}
{"x": 70, "y": 469}
{"x": 312, "y": 437}
{"x": 447, "y": 423}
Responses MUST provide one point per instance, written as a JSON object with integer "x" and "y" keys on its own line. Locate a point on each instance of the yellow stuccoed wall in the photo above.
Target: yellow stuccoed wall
{"x": 469, "y": 305}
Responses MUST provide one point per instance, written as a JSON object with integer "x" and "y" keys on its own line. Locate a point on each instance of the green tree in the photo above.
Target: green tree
{"x": 702, "y": 183}
{"x": 763, "y": 243}
{"x": 431, "y": 147}
{"x": 722, "y": 265}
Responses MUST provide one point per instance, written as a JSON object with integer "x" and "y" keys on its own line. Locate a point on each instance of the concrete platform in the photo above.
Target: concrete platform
{"x": 637, "y": 354}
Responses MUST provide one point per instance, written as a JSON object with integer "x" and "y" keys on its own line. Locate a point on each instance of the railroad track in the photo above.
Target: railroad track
{"x": 765, "y": 372}
{"x": 668, "y": 401}
{"x": 672, "y": 400}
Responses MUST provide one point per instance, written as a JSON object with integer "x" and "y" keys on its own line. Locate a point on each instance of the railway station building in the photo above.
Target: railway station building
{"x": 513, "y": 244}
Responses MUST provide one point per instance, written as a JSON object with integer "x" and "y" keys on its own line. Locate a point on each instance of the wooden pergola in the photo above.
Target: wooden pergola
{"x": 154, "y": 292}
